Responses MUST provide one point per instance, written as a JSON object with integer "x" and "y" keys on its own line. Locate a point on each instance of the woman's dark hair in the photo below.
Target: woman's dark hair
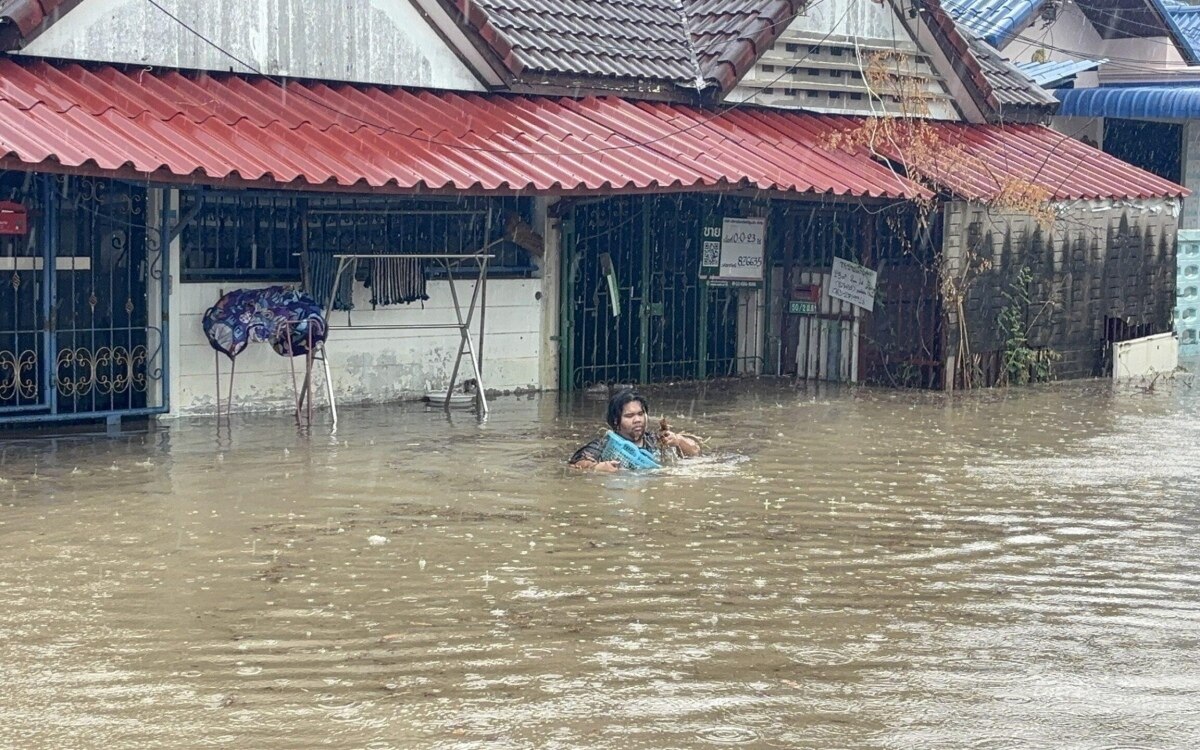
{"x": 621, "y": 399}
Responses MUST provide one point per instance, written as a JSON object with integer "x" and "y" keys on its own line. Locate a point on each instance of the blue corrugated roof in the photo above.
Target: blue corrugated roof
{"x": 1136, "y": 102}
{"x": 1187, "y": 22}
{"x": 996, "y": 21}
{"x": 1057, "y": 71}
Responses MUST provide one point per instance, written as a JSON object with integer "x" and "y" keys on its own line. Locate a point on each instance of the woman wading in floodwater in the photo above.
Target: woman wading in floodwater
{"x": 627, "y": 417}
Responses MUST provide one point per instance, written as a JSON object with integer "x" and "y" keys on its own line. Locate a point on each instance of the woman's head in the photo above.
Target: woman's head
{"x": 627, "y": 414}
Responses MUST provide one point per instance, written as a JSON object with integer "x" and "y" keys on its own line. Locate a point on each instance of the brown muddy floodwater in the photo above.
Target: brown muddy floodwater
{"x": 848, "y": 569}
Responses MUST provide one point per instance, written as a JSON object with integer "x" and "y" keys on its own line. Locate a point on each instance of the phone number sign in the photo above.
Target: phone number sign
{"x": 734, "y": 250}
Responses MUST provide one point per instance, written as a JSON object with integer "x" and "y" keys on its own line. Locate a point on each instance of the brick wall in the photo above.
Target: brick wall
{"x": 1104, "y": 271}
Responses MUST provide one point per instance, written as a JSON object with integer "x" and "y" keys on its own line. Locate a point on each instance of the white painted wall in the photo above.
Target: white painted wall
{"x": 370, "y": 41}
{"x": 829, "y": 79}
{"x": 550, "y": 265}
{"x": 851, "y": 19}
{"x": 1190, "y": 217}
{"x": 370, "y": 365}
{"x": 1071, "y": 36}
{"x": 1090, "y": 129}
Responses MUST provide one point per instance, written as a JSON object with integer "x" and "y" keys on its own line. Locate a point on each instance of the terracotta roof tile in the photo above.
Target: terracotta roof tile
{"x": 693, "y": 43}
{"x": 1011, "y": 86}
{"x": 21, "y": 20}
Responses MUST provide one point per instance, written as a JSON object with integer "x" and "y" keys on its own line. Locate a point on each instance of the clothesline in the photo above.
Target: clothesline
{"x": 466, "y": 346}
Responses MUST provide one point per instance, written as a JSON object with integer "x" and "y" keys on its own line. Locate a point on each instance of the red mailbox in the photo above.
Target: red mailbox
{"x": 13, "y": 218}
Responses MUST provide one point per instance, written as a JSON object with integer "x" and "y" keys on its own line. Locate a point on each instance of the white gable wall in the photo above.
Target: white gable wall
{"x": 818, "y": 63}
{"x": 1072, "y": 36}
{"x": 369, "y": 41}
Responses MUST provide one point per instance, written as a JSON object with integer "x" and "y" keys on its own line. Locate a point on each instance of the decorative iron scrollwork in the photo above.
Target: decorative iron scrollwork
{"x": 106, "y": 370}
{"x": 17, "y": 371}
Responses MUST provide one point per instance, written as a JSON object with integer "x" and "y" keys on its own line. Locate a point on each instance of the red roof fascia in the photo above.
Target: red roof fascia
{"x": 476, "y": 18}
{"x": 240, "y": 129}
{"x": 740, "y": 54}
{"x": 1065, "y": 167}
{"x": 30, "y": 18}
{"x": 958, "y": 50}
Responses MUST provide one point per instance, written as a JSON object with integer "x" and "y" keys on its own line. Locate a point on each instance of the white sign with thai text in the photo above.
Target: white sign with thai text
{"x": 742, "y": 249}
{"x": 853, "y": 283}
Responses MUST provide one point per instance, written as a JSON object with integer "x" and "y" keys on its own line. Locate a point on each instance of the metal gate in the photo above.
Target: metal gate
{"x": 82, "y": 324}
{"x": 819, "y": 341}
{"x": 899, "y": 342}
{"x": 634, "y": 307}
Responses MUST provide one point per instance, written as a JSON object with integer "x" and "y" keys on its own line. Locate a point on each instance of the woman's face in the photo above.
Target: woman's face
{"x": 633, "y": 421}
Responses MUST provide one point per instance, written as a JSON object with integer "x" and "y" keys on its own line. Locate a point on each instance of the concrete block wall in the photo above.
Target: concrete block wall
{"x": 1103, "y": 268}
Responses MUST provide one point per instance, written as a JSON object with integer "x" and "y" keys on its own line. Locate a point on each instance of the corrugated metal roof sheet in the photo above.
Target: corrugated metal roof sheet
{"x": 1166, "y": 102}
{"x": 996, "y": 21}
{"x": 1057, "y": 71}
{"x": 687, "y": 42}
{"x": 1010, "y": 85}
{"x": 1187, "y": 21}
{"x": 1070, "y": 170}
{"x": 253, "y": 130}
{"x": 1126, "y": 19}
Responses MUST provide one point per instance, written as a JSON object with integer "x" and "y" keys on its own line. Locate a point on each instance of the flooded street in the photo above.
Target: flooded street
{"x": 846, "y": 569}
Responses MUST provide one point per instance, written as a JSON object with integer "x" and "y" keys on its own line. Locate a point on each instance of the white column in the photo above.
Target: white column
{"x": 550, "y": 290}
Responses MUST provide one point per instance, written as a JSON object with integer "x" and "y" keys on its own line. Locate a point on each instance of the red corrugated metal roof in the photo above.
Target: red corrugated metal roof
{"x": 254, "y": 130}
{"x": 1069, "y": 169}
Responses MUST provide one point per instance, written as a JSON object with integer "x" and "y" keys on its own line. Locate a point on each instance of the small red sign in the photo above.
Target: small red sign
{"x": 13, "y": 218}
{"x": 806, "y": 293}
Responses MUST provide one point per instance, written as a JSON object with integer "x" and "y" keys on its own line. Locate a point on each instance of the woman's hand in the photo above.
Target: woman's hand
{"x": 607, "y": 467}
{"x": 683, "y": 444}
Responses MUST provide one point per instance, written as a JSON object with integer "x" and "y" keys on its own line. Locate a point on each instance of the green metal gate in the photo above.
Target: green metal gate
{"x": 634, "y": 307}
{"x": 82, "y": 329}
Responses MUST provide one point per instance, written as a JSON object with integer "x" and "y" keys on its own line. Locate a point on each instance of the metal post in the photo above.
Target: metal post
{"x": 702, "y": 332}
{"x": 487, "y": 238}
{"x": 482, "y": 283}
{"x": 164, "y": 282}
{"x": 644, "y": 307}
{"x": 464, "y": 330}
{"x": 49, "y": 292}
{"x": 566, "y": 305}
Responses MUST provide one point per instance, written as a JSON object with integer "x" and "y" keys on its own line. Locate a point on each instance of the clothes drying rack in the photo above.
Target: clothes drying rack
{"x": 466, "y": 345}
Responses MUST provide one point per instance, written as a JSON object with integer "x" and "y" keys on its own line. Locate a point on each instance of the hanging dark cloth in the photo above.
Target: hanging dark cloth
{"x": 396, "y": 281}
{"x": 321, "y": 269}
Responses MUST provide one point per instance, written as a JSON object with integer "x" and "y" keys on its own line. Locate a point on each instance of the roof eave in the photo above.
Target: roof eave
{"x": 953, "y": 48}
{"x": 740, "y": 55}
{"x": 1176, "y": 34}
{"x": 25, "y": 20}
{"x": 466, "y": 28}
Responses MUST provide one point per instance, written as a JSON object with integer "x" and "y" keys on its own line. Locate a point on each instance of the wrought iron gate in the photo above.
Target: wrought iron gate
{"x": 634, "y": 308}
{"x": 821, "y": 343}
{"x": 897, "y": 344}
{"x": 82, "y": 323}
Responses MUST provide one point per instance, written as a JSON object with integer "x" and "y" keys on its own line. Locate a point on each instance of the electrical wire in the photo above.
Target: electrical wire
{"x": 637, "y": 144}
{"x": 304, "y": 93}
